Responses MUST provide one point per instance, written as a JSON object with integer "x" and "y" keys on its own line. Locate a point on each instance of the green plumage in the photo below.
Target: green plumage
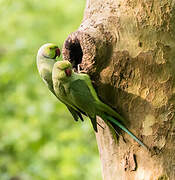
{"x": 46, "y": 59}
{"x": 75, "y": 90}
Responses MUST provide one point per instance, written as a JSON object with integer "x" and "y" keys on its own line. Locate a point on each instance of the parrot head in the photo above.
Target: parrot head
{"x": 62, "y": 70}
{"x": 49, "y": 50}
{"x": 46, "y": 58}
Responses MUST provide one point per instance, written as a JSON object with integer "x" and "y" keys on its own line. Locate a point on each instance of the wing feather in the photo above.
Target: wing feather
{"x": 82, "y": 98}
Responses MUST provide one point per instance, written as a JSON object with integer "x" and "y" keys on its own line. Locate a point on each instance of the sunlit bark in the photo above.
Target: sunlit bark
{"x": 128, "y": 49}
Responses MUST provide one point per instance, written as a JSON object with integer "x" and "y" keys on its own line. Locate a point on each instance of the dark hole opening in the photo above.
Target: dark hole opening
{"x": 75, "y": 53}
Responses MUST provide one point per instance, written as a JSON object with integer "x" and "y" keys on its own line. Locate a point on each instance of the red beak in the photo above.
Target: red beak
{"x": 58, "y": 52}
{"x": 68, "y": 72}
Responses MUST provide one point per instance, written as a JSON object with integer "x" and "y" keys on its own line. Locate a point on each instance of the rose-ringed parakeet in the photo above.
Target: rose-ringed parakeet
{"x": 46, "y": 58}
{"x": 77, "y": 90}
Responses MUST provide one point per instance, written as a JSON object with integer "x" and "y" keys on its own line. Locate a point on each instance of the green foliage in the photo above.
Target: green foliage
{"x": 38, "y": 138}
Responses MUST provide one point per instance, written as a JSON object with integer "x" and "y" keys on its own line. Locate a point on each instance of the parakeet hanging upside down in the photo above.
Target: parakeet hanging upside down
{"x": 77, "y": 90}
{"x": 46, "y": 58}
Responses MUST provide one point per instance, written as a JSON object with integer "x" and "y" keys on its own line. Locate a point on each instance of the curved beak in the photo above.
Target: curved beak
{"x": 58, "y": 52}
{"x": 68, "y": 71}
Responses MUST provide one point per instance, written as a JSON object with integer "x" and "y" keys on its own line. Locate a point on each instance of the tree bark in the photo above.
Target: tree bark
{"x": 128, "y": 49}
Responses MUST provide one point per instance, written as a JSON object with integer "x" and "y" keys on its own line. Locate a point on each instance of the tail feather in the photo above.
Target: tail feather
{"x": 108, "y": 110}
{"x": 94, "y": 123}
{"x": 124, "y": 129}
{"x": 80, "y": 116}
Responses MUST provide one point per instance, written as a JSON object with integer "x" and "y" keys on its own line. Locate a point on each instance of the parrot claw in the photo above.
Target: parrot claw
{"x": 78, "y": 68}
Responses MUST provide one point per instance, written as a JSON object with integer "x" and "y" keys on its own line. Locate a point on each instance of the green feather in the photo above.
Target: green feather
{"x": 46, "y": 59}
{"x": 111, "y": 119}
{"x": 77, "y": 90}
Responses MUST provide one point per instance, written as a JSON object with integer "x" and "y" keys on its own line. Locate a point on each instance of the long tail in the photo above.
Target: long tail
{"x": 124, "y": 129}
{"x": 108, "y": 110}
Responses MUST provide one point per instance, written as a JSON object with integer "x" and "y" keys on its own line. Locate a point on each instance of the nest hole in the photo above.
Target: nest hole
{"x": 75, "y": 52}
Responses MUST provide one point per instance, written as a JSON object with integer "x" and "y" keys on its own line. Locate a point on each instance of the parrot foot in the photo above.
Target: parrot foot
{"x": 79, "y": 69}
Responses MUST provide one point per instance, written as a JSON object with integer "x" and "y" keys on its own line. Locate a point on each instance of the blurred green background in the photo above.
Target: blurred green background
{"x": 39, "y": 140}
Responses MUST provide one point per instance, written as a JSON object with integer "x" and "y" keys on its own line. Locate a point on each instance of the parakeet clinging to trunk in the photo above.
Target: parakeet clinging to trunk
{"x": 77, "y": 90}
{"x": 46, "y": 58}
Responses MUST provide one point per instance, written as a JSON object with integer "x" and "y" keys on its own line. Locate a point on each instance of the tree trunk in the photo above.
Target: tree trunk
{"x": 128, "y": 49}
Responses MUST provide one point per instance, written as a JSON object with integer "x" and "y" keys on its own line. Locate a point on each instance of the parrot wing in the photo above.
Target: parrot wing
{"x": 101, "y": 107}
{"x": 62, "y": 96}
{"x": 75, "y": 113}
{"x": 82, "y": 98}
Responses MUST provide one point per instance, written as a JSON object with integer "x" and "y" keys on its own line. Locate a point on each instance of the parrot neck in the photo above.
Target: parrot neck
{"x": 45, "y": 67}
{"x": 45, "y": 62}
{"x": 42, "y": 59}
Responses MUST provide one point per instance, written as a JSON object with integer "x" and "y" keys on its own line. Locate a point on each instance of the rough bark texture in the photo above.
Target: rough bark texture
{"x": 128, "y": 49}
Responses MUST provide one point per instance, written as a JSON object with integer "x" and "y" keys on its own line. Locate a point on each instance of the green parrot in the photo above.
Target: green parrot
{"x": 46, "y": 58}
{"x": 77, "y": 90}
